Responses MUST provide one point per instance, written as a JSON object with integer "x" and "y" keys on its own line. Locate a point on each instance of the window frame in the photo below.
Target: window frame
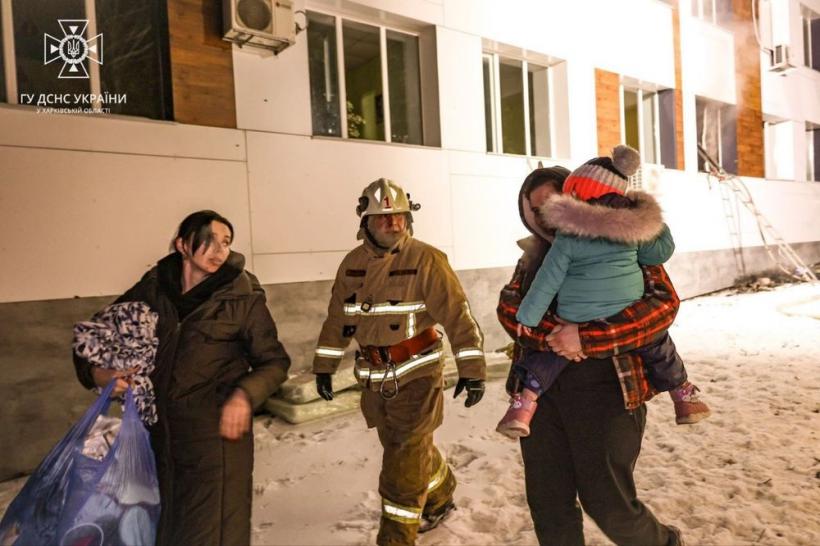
{"x": 496, "y": 124}
{"x": 718, "y": 133}
{"x": 807, "y": 17}
{"x": 10, "y": 57}
{"x": 9, "y": 53}
{"x": 339, "y": 20}
{"x": 722, "y": 109}
{"x": 656, "y": 128}
{"x": 717, "y": 15}
{"x": 811, "y": 161}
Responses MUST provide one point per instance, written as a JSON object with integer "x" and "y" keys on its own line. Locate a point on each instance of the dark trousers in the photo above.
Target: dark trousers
{"x": 583, "y": 445}
{"x": 664, "y": 367}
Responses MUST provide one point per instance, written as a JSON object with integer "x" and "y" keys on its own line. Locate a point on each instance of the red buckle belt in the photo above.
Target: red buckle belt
{"x": 400, "y": 352}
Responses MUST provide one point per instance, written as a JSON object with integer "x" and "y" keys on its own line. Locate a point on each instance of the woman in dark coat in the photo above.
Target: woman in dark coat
{"x": 219, "y": 357}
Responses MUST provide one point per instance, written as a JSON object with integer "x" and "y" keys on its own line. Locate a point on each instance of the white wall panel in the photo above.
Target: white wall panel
{"x": 90, "y": 224}
{"x": 791, "y": 95}
{"x": 386, "y": 11}
{"x": 708, "y": 60}
{"x": 486, "y": 222}
{"x": 461, "y": 90}
{"x": 304, "y": 190}
{"x": 23, "y": 126}
{"x": 791, "y": 207}
{"x": 628, "y": 37}
{"x": 273, "y": 91}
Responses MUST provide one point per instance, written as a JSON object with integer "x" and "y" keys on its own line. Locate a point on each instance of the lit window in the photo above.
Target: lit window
{"x": 365, "y": 81}
{"x": 517, "y": 106}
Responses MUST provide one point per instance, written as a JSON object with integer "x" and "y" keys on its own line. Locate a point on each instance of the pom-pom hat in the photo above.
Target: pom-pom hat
{"x": 604, "y": 175}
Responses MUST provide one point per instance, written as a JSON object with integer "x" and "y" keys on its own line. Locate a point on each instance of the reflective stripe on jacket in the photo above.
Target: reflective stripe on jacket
{"x": 384, "y": 298}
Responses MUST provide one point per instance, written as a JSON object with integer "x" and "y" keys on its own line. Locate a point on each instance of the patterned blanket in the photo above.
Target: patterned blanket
{"x": 120, "y": 337}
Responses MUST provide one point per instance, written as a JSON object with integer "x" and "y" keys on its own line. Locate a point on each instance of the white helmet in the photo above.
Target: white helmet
{"x": 384, "y": 197}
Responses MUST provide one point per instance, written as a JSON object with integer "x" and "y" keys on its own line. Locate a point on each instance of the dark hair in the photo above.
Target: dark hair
{"x": 196, "y": 228}
{"x": 554, "y": 176}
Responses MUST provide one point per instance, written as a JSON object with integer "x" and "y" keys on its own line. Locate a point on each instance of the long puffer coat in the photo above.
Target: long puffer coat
{"x": 228, "y": 341}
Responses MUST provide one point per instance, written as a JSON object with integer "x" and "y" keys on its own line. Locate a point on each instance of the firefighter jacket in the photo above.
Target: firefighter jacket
{"x": 381, "y": 298}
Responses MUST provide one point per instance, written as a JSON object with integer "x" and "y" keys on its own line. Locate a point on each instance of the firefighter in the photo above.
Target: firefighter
{"x": 389, "y": 293}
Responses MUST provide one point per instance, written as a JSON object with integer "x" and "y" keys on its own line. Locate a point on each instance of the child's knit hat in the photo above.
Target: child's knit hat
{"x": 604, "y": 175}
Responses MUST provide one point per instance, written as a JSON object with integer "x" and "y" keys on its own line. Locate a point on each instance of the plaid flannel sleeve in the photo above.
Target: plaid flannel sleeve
{"x": 508, "y": 303}
{"x": 639, "y": 324}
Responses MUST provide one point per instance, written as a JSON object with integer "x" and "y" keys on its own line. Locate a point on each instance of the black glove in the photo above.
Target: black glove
{"x": 324, "y": 386}
{"x": 475, "y": 390}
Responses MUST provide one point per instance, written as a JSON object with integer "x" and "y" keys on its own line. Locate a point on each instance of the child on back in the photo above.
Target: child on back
{"x": 593, "y": 268}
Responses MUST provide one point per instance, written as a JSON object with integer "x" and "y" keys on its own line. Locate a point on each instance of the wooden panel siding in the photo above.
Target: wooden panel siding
{"x": 608, "y": 110}
{"x": 750, "y": 155}
{"x": 201, "y": 64}
{"x": 679, "y": 159}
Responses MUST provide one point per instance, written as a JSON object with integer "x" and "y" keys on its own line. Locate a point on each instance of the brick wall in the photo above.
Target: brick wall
{"x": 201, "y": 64}
{"x": 608, "y": 110}
{"x": 750, "y": 155}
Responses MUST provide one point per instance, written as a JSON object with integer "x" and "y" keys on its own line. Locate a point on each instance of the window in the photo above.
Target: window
{"x": 365, "y": 81}
{"x": 134, "y": 51}
{"x": 517, "y": 106}
{"x": 32, "y": 19}
{"x": 648, "y": 124}
{"x": 324, "y": 76}
{"x": 137, "y": 60}
{"x": 717, "y": 134}
{"x": 405, "y": 87}
{"x": 718, "y": 12}
{"x": 811, "y": 39}
{"x": 812, "y": 152}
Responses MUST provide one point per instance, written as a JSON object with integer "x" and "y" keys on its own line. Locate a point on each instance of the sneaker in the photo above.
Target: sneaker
{"x": 431, "y": 521}
{"x": 516, "y": 422}
{"x": 689, "y": 408}
{"x": 675, "y": 536}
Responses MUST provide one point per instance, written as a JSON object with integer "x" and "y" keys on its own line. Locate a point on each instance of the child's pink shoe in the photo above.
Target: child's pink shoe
{"x": 689, "y": 408}
{"x": 516, "y": 422}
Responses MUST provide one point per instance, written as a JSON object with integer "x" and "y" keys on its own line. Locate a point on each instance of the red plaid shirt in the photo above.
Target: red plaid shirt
{"x": 614, "y": 337}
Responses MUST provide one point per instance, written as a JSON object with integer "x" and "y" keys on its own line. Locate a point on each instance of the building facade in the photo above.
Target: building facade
{"x": 457, "y": 100}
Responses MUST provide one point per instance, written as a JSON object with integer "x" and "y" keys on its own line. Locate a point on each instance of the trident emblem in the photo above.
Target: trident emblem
{"x": 73, "y": 49}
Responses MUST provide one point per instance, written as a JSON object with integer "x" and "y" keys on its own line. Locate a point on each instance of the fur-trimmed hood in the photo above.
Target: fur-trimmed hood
{"x": 641, "y": 221}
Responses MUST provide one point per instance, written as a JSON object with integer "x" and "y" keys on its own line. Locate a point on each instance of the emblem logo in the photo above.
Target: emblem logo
{"x": 73, "y": 49}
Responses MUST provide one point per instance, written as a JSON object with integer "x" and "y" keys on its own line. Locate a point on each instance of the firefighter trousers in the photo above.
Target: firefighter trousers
{"x": 415, "y": 479}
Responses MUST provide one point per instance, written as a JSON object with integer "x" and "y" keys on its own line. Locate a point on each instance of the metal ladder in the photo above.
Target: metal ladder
{"x": 785, "y": 257}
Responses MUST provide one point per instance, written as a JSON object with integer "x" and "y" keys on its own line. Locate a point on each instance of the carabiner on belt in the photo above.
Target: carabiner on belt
{"x": 391, "y": 367}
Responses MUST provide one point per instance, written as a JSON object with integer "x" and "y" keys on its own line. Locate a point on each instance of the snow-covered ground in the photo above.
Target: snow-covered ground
{"x": 748, "y": 475}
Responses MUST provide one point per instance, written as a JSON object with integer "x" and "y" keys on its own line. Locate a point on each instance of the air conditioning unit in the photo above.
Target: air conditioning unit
{"x": 647, "y": 178}
{"x": 779, "y": 57}
{"x": 267, "y": 24}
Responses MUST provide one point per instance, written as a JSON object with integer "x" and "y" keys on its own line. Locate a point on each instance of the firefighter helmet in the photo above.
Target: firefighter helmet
{"x": 384, "y": 197}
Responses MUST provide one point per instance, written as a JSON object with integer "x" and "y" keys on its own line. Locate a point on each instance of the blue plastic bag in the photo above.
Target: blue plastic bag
{"x": 74, "y": 500}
